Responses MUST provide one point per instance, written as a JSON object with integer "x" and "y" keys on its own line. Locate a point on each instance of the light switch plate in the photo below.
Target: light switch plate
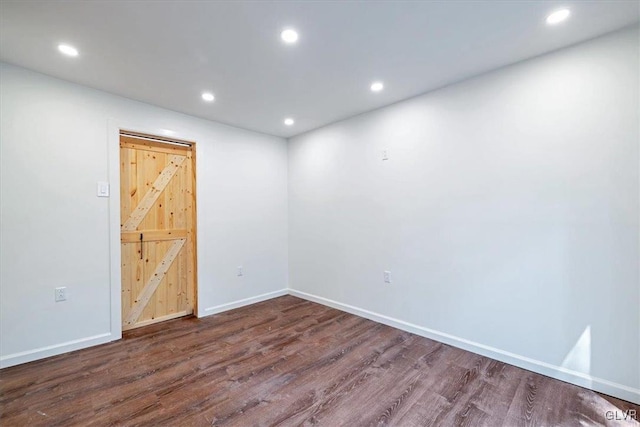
{"x": 102, "y": 189}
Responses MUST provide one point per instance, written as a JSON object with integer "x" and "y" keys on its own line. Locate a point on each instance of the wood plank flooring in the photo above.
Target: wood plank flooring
{"x": 289, "y": 362}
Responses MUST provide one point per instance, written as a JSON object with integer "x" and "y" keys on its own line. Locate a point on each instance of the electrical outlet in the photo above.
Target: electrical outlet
{"x": 387, "y": 277}
{"x": 385, "y": 155}
{"x": 240, "y": 271}
{"x": 61, "y": 294}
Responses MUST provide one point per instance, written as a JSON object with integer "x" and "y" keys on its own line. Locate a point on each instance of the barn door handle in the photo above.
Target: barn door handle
{"x": 141, "y": 246}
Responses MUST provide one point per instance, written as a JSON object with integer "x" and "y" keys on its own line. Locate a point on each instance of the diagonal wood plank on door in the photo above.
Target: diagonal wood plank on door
{"x": 138, "y": 214}
{"x": 150, "y": 287}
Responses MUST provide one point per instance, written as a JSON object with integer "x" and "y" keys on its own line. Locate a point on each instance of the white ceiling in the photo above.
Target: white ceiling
{"x": 167, "y": 53}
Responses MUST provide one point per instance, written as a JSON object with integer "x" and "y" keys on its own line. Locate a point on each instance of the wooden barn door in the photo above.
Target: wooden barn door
{"x": 157, "y": 223}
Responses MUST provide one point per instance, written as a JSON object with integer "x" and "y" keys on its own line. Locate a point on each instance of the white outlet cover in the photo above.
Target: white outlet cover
{"x": 61, "y": 294}
{"x": 387, "y": 277}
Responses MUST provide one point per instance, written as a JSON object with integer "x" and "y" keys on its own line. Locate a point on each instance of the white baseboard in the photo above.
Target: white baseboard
{"x": 574, "y": 377}
{"x": 54, "y": 350}
{"x": 241, "y": 303}
{"x": 65, "y": 347}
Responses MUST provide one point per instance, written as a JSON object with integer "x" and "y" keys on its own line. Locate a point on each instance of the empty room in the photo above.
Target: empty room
{"x": 333, "y": 213}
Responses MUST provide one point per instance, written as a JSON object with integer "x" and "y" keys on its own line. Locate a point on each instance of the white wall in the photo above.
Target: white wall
{"x": 55, "y": 142}
{"x": 507, "y": 213}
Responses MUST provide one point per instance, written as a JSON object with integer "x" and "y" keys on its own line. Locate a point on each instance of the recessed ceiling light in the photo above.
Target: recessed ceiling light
{"x": 289, "y": 121}
{"x": 68, "y": 50}
{"x": 558, "y": 16}
{"x": 377, "y": 86}
{"x": 289, "y": 36}
{"x": 208, "y": 96}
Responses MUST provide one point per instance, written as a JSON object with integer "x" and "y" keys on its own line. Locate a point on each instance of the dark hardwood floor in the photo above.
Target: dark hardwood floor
{"x": 289, "y": 362}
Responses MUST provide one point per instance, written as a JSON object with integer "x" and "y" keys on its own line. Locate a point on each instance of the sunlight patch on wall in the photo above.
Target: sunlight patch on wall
{"x": 579, "y": 357}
